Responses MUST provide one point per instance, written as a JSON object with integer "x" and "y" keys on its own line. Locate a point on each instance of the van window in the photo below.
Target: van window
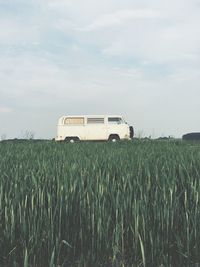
{"x": 114, "y": 120}
{"x": 74, "y": 121}
{"x": 95, "y": 120}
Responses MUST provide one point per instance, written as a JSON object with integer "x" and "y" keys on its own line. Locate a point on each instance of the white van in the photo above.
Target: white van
{"x": 95, "y": 127}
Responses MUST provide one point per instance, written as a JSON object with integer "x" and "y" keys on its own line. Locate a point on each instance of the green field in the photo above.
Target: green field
{"x": 127, "y": 204}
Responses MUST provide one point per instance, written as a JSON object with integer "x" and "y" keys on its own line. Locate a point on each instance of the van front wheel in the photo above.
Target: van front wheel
{"x": 114, "y": 138}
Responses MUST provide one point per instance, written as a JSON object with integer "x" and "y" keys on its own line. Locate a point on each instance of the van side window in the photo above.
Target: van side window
{"x": 74, "y": 121}
{"x": 95, "y": 121}
{"x": 114, "y": 120}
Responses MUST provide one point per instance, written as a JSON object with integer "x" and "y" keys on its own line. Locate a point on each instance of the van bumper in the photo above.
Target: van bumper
{"x": 57, "y": 139}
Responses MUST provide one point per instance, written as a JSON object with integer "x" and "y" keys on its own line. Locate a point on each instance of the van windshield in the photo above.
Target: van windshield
{"x": 115, "y": 120}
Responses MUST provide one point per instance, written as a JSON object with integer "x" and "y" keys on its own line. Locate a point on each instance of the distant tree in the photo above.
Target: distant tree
{"x": 140, "y": 134}
{"x": 192, "y": 136}
{"x": 28, "y": 134}
{"x": 3, "y": 137}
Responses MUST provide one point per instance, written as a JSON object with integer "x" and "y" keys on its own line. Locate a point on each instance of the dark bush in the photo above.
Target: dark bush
{"x": 192, "y": 136}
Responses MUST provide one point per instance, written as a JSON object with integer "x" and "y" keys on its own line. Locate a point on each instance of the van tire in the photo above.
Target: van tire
{"x": 113, "y": 138}
{"x": 72, "y": 140}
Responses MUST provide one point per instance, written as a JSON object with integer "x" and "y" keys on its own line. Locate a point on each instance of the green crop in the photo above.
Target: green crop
{"x": 127, "y": 204}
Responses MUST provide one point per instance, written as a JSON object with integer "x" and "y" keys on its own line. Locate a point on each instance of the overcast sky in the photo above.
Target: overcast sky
{"x": 138, "y": 58}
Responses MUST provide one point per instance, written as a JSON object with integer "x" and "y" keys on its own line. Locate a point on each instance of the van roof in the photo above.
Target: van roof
{"x": 92, "y": 116}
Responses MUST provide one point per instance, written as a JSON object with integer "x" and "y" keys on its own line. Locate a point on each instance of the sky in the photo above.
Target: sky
{"x": 136, "y": 58}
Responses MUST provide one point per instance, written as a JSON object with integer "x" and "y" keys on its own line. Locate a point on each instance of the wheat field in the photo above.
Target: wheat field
{"x": 127, "y": 204}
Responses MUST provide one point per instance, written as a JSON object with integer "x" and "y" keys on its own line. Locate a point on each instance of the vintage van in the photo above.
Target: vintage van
{"x": 93, "y": 128}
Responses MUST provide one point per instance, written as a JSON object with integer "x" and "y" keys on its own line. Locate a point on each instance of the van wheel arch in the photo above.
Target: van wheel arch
{"x": 114, "y": 138}
{"x": 72, "y": 139}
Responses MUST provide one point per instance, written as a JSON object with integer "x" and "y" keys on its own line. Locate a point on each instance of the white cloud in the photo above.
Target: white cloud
{"x": 14, "y": 31}
{"x": 59, "y": 4}
{"x": 175, "y": 44}
{"x": 120, "y": 17}
{"x": 5, "y": 109}
{"x": 154, "y": 32}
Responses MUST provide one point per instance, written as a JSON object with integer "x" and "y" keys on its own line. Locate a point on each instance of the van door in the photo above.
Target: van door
{"x": 117, "y": 126}
{"x": 96, "y": 128}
